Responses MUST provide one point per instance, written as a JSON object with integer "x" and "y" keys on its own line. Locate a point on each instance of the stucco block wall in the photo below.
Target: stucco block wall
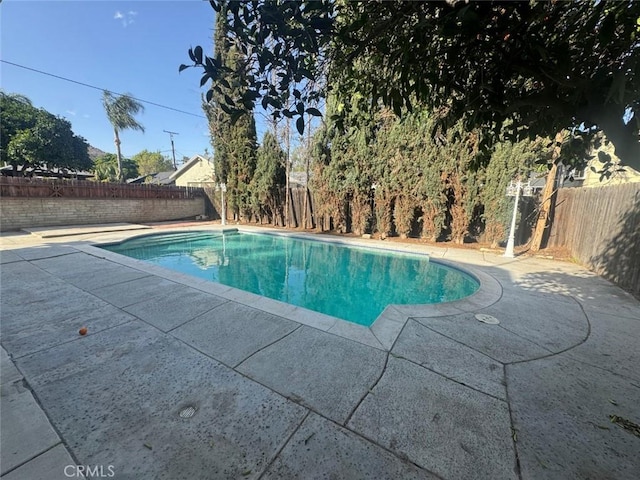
{"x": 21, "y": 212}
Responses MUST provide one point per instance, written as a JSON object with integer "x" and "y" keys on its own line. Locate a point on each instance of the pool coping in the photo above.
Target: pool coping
{"x": 382, "y": 334}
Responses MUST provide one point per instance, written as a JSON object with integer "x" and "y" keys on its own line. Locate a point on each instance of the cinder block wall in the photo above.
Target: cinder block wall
{"x": 20, "y": 212}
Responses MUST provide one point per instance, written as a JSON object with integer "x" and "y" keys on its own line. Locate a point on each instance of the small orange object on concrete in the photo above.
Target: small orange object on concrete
{"x": 83, "y": 331}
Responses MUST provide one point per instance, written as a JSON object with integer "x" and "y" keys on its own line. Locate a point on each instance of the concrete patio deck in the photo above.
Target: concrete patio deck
{"x": 180, "y": 378}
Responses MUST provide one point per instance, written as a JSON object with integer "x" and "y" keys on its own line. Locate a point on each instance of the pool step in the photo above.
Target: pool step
{"x": 165, "y": 239}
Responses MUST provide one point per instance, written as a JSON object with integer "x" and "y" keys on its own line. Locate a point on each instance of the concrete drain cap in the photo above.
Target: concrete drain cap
{"x": 484, "y": 318}
{"x": 187, "y": 412}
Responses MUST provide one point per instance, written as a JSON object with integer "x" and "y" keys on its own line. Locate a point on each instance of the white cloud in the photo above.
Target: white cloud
{"x": 125, "y": 18}
{"x": 71, "y": 112}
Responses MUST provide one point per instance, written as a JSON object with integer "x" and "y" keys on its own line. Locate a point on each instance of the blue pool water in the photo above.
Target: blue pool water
{"x": 351, "y": 283}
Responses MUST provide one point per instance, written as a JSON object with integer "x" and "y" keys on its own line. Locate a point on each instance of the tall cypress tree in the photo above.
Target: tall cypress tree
{"x": 219, "y": 122}
{"x": 269, "y": 179}
{"x": 233, "y": 135}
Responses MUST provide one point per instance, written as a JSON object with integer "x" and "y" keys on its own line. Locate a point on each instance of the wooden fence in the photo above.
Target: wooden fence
{"x": 46, "y": 188}
{"x": 298, "y": 218}
{"x": 601, "y": 227}
{"x": 297, "y": 215}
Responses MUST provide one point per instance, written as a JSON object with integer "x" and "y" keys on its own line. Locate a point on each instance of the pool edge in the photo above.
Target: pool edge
{"x": 381, "y": 334}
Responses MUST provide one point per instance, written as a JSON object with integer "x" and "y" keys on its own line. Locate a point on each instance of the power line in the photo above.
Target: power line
{"x": 101, "y": 89}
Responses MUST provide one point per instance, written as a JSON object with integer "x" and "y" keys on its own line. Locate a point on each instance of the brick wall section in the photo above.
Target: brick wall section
{"x": 22, "y": 212}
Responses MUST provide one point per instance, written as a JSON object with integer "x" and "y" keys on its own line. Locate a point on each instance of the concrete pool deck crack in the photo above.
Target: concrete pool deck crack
{"x": 416, "y": 319}
{"x": 466, "y": 385}
{"x": 514, "y": 431}
{"x": 565, "y": 448}
{"x": 369, "y": 390}
{"x": 571, "y": 347}
{"x": 190, "y": 319}
{"x": 39, "y": 454}
{"x": 528, "y": 340}
{"x": 311, "y": 409}
{"x": 403, "y": 458}
{"x": 77, "y": 338}
{"x": 267, "y": 346}
{"x": 77, "y": 315}
{"x": 284, "y": 444}
{"x": 23, "y": 384}
{"x": 384, "y": 368}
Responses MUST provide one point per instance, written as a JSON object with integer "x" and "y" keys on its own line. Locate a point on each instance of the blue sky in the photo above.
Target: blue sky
{"x": 131, "y": 47}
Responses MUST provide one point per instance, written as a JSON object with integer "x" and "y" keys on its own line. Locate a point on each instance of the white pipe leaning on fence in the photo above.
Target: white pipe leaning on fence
{"x": 512, "y": 231}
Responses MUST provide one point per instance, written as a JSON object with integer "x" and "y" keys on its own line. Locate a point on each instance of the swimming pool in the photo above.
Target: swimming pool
{"x": 352, "y": 283}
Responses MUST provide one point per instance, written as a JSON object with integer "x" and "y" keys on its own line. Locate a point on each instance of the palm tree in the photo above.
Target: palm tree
{"x": 120, "y": 111}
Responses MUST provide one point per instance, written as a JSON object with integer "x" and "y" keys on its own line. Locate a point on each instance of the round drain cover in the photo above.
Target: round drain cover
{"x": 484, "y": 318}
{"x": 187, "y": 412}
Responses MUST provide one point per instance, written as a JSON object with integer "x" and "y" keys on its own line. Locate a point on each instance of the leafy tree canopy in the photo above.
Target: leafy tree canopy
{"x": 17, "y": 114}
{"x": 105, "y": 168}
{"x": 33, "y": 137}
{"x": 533, "y": 68}
{"x": 151, "y": 162}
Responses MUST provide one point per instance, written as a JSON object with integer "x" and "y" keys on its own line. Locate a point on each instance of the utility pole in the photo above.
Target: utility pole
{"x": 173, "y": 150}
